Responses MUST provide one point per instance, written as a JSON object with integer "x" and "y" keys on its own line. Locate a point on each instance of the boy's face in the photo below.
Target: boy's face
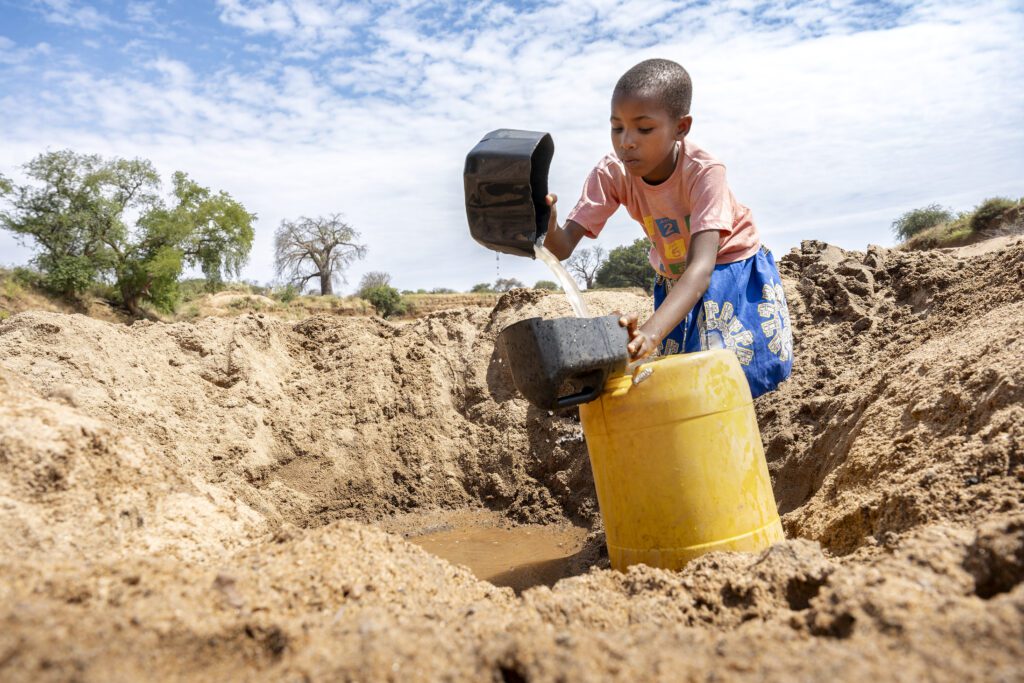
{"x": 644, "y": 136}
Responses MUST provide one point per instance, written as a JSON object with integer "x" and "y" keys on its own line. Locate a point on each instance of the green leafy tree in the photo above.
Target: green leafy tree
{"x": 627, "y": 267}
{"x": 482, "y": 288}
{"x": 548, "y": 285}
{"x": 211, "y": 231}
{"x": 73, "y": 212}
{"x": 316, "y": 249}
{"x": 386, "y": 299}
{"x": 75, "y": 215}
{"x": 916, "y": 220}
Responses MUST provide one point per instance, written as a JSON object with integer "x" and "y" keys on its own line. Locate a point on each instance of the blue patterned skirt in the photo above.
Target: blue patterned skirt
{"x": 744, "y": 310}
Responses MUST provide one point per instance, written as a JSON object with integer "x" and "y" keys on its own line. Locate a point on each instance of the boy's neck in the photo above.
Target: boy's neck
{"x": 676, "y": 151}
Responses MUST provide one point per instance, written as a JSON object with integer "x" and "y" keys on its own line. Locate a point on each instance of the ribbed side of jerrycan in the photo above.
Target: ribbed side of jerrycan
{"x": 678, "y": 463}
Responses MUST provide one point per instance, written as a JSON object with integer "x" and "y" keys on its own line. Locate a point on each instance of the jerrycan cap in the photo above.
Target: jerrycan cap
{"x": 564, "y": 362}
{"x": 506, "y": 181}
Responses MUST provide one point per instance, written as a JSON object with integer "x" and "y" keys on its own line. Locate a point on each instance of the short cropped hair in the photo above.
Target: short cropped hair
{"x": 661, "y": 79}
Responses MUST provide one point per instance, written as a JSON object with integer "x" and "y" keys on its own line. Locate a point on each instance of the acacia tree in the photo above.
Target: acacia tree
{"x": 75, "y": 216}
{"x": 584, "y": 264}
{"x": 316, "y": 249}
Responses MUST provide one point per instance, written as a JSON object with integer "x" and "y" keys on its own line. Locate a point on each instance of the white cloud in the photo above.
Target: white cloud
{"x": 141, "y": 12}
{"x": 70, "y": 13}
{"x": 306, "y": 27}
{"x": 829, "y": 130}
{"x": 177, "y": 74}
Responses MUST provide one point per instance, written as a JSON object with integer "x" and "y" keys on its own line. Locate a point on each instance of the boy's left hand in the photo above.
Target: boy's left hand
{"x": 641, "y": 342}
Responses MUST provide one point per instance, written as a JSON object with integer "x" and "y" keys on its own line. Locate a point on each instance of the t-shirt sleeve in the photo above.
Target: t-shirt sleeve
{"x": 600, "y": 198}
{"x": 711, "y": 204}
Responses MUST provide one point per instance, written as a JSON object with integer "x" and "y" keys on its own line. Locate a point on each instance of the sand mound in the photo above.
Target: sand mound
{"x": 198, "y": 500}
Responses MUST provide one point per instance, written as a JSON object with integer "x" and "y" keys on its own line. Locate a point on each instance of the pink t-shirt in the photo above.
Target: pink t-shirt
{"x": 693, "y": 199}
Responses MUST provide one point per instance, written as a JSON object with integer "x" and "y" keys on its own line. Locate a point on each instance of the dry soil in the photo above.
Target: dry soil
{"x": 226, "y": 499}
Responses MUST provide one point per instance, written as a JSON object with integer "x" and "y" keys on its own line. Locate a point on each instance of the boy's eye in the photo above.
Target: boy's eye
{"x": 645, "y": 131}
{"x": 616, "y": 129}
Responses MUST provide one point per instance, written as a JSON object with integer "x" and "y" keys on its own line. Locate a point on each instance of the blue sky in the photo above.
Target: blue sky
{"x": 833, "y": 118}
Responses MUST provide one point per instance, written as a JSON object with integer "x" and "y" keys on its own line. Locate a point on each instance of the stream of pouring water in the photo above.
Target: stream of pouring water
{"x": 572, "y": 292}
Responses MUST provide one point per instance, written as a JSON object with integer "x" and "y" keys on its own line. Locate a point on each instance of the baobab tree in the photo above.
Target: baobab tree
{"x": 316, "y": 249}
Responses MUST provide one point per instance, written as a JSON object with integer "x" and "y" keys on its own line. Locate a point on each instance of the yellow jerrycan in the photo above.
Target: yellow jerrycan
{"x": 678, "y": 463}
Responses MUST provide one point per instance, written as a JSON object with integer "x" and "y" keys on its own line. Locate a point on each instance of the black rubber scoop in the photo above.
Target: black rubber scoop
{"x": 506, "y": 180}
{"x": 566, "y": 361}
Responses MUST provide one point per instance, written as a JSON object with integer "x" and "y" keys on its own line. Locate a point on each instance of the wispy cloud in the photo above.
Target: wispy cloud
{"x": 76, "y": 14}
{"x": 833, "y": 117}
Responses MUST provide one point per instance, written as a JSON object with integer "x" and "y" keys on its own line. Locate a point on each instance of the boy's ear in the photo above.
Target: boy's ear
{"x": 683, "y": 126}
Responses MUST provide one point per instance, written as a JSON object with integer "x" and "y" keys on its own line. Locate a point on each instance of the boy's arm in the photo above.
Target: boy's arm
{"x": 680, "y": 301}
{"x": 561, "y": 241}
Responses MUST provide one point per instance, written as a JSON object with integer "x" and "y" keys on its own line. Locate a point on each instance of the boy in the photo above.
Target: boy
{"x": 716, "y": 286}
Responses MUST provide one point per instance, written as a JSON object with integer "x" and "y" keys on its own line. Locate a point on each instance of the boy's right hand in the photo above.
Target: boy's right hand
{"x": 553, "y": 218}
{"x": 561, "y": 240}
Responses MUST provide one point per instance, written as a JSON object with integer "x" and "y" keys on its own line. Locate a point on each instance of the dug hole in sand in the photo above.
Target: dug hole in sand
{"x": 227, "y": 499}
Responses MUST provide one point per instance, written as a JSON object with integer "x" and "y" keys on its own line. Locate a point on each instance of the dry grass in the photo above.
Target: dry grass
{"x": 17, "y": 296}
{"x": 952, "y": 234}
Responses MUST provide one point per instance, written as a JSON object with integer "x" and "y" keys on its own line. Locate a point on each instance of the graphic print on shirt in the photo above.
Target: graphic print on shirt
{"x": 670, "y": 242}
{"x": 667, "y": 227}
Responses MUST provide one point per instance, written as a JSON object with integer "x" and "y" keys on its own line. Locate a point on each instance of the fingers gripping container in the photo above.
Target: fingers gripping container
{"x": 564, "y": 362}
{"x": 678, "y": 463}
{"x": 506, "y": 181}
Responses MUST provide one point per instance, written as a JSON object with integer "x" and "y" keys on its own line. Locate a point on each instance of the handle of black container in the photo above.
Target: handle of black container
{"x": 593, "y": 383}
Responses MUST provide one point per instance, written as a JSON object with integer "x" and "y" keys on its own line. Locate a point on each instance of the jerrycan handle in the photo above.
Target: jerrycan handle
{"x": 592, "y": 382}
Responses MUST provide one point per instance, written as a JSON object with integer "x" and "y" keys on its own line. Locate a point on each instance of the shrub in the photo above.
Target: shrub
{"x": 386, "y": 299}
{"x": 916, "y": 220}
{"x": 103, "y": 290}
{"x": 67, "y": 275}
{"x": 286, "y": 294}
{"x": 990, "y": 212}
{"x": 442, "y": 290}
{"x": 482, "y": 288}
{"x": 27, "y": 277}
{"x": 547, "y": 284}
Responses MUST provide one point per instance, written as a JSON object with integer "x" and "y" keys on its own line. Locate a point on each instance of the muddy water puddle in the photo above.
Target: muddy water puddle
{"x": 518, "y": 557}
